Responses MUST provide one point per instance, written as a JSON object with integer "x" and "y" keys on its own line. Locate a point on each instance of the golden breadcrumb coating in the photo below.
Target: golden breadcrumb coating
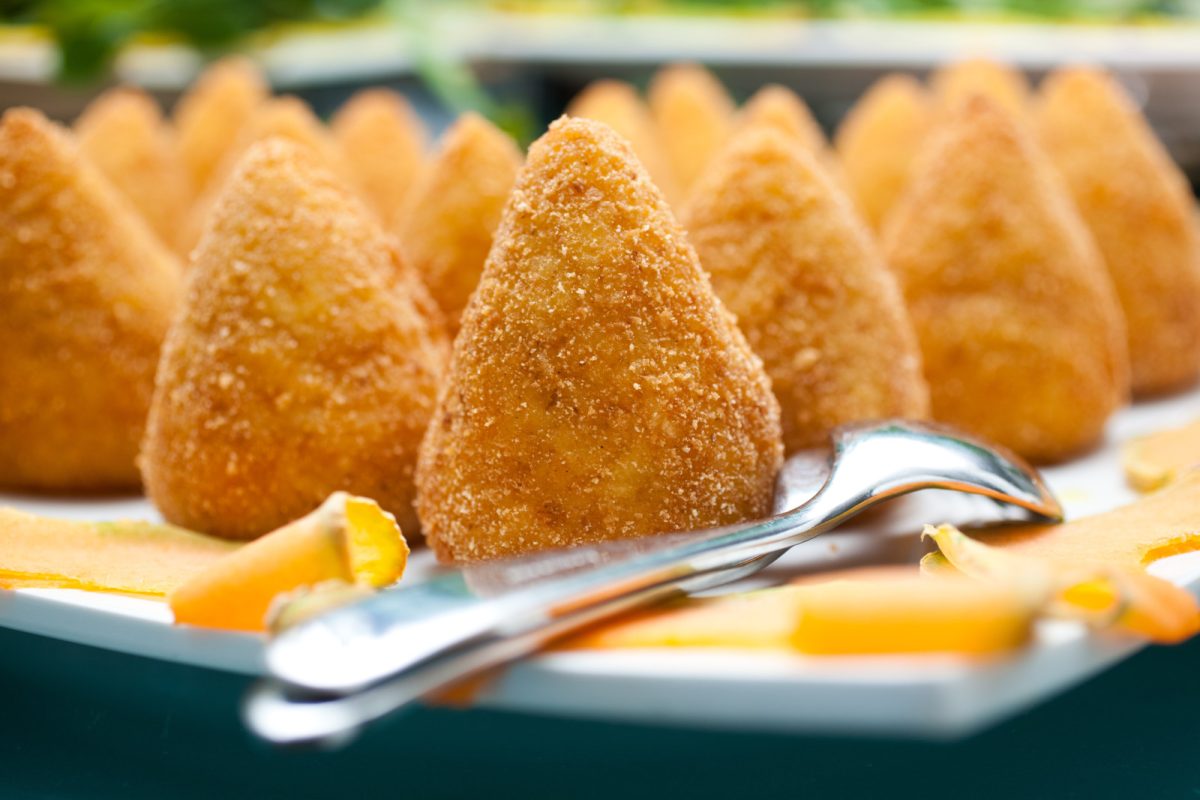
{"x": 598, "y": 389}
{"x": 86, "y": 294}
{"x": 618, "y": 106}
{"x": 211, "y": 113}
{"x": 781, "y": 108}
{"x": 878, "y": 140}
{"x": 285, "y": 117}
{"x": 1140, "y": 210}
{"x": 788, "y": 255}
{"x": 693, "y": 115}
{"x": 1020, "y": 329}
{"x": 455, "y": 207}
{"x": 383, "y": 145}
{"x": 778, "y": 107}
{"x": 124, "y": 134}
{"x": 954, "y": 83}
{"x": 301, "y": 363}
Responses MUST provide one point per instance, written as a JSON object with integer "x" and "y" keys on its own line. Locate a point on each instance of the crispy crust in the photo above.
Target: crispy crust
{"x": 955, "y": 83}
{"x": 693, "y": 115}
{"x": 1141, "y": 212}
{"x": 790, "y": 258}
{"x": 383, "y": 144}
{"x": 301, "y": 363}
{"x": 455, "y": 207}
{"x": 878, "y": 141}
{"x": 598, "y": 389}
{"x": 1019, "y": 325}
{"x": 87, "y": 293}
{"x": 780, "y": 108}
{"x": 617, "y": 105}
{"x": 284, "y": 117}
{"x": 124, "y": 134}
{"x": 211, "y": 113}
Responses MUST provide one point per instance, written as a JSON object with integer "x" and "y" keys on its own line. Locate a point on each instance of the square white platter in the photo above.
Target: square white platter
{"x": 929, "y": 697}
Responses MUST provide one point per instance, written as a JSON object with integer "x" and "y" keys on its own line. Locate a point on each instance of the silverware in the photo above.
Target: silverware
{"x": 355, "y": 664}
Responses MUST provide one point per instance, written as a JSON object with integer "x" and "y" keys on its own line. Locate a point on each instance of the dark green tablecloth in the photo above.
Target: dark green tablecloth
{"x": 81, "y": 722}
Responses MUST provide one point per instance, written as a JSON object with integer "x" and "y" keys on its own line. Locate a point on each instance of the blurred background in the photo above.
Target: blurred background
{"x": 520, "y": 61}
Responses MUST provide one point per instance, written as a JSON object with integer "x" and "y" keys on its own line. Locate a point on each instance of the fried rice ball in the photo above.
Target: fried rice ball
{"x": 954, "y": 83}
{"x": 301, "y": 364}
{"x": 455, "y": 207}
{"x": 383, "y": 144}
{"x": 693, "y": 115}
{"x": 598, "y": 389}
{"x": 618, "y": 106}
{"x": 211, "y": 113}
{"x": 788, "y": 256}
{"x": 285, "y": 117}
{"x": 124, "y": 134}
{"x": 86, "y": 294}
{"x": 1140, "y": 209}
{"x": 1020, "y": 329}
{"x": 878, "y": 141}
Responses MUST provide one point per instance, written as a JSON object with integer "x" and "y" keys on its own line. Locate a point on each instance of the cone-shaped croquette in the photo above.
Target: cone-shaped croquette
{"x": 1020, "y": 330}
{"x": 212, "y": 112}
{"x": 123, "y": 133}
{"x": 598, "y": 389}
{"x": 284, "y": 117}
{"x": 788, "y": 255}
{"x": 694, "y": 116}
{"x": 779, "y": 107}
{"x": 455, "y": 207}
{"x": 618, "y": 106}
{"x": 1005, "y": 86}
{"x": 383, "y": 144}
{"x": 878, "y": 141}
{"x": 1140, "y": 210}
{"x": 86, "y": 295}
{"x": 301, "y": 363}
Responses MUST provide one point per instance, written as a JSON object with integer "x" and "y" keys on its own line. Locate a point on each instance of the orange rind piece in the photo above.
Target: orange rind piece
{"x": 126, "y": 557}
{"x": 348, "y": 540}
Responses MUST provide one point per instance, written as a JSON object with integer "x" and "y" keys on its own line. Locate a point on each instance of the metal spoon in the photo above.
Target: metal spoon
{"x": 331, "y": 675}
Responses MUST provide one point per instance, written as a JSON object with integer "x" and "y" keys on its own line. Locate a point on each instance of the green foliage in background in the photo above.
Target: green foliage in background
{"x": 91, "y": 32}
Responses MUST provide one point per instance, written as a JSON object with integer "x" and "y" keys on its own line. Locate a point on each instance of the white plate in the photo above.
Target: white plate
{"x": 918, "y": 696}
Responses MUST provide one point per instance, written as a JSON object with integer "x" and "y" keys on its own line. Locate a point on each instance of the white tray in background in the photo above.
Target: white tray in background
{"x": 912, "y": 696}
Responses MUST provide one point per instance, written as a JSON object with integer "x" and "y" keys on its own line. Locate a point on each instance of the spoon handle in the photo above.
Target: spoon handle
{"x": 391, "y": 648}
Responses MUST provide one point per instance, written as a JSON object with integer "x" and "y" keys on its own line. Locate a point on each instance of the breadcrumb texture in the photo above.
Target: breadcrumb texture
{"x": 211, "y": 113}
{"x": 598, "y": 389}
{"x": 1140, "y": 210}
{"x": 284, "y": 117}
{"x": 955, "y": 83}
{"x": 1021, "y": 333}
{"x": 788, "y": 255}
{"x": 455, "y": 207}
{"x": 879, "y": 140}
{"x": 86, "y": 295}
{"x": 301, "y": 364}
{"x": 779, "y": 107}
{"x": 124, "y": 134}
{"x": 617, "y": 105}
{"x": 383, "y": 144}
{"x": 694, "y": 117}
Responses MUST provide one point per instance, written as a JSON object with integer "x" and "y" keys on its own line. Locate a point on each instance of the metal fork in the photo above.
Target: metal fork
{"x": 355, "y": 664}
